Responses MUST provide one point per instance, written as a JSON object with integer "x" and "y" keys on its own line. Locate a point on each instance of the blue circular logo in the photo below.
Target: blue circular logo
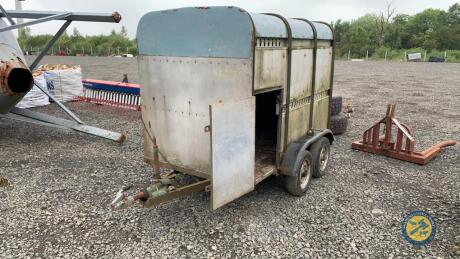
{"x": 418, "y": 228}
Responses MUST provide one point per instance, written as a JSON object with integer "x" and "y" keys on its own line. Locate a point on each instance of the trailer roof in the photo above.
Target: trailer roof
{"x": 225, "y": 32}
{"x": 269, "y": 26}
{"x": 196, "y": 32}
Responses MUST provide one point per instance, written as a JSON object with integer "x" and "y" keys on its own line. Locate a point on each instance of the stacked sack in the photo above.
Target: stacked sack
{"x": 35, "y": 97}
{"x": 63, "y": 82}
{"x": 339, "y": 116}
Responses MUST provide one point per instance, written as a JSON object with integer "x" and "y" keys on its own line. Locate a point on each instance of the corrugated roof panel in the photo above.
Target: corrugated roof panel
{"x": 300, "y": 29}
{"x": 323, "y": 31}
{"x": 268, "y": 26}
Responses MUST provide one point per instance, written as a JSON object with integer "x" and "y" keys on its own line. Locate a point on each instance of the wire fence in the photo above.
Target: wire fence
{"x": 416, "y": 54}
{"x": 81, "y": 51}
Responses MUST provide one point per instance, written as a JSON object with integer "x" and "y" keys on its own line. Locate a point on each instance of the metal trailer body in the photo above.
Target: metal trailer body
{"x": 203, "y": 69}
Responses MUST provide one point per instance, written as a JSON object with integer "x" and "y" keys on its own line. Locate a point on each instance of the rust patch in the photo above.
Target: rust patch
{"x": 116, "y": 17}
{"x": 402, "y": 146}
{"x": 6, "y": 66}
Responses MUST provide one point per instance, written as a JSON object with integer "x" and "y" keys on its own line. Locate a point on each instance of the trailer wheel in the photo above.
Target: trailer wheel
{"x": 336, "y": 105}
{"x": 338, "y": 124}
{"x": 320, "y": 152}
{"x": 298, "y": 183}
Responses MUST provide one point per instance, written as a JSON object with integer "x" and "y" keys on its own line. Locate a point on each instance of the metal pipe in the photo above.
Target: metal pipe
{"x": 49, "y": 45}
{"x": 114, "y": 17}
{"x": 15, "y": 77}
{"x": 69, "y": 112}
{"x": 41, "y": 20}
{"x": 156, "y": 159}
{"x": 439, "y": 146}
{"x": 6, "y": 15}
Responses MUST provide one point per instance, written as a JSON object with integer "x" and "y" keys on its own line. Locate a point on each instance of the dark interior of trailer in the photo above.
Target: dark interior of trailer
{"x": 266, "y": 132}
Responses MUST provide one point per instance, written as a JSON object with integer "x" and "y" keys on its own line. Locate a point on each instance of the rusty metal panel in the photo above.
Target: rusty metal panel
{"x": 176, "y": 95}
{"x": 323, "y": 69}
{"x": 270, "y": 68}
{"x": 233, "y": 150}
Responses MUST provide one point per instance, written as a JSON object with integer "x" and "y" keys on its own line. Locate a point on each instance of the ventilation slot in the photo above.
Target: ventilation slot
{"x": 269, "y": 43}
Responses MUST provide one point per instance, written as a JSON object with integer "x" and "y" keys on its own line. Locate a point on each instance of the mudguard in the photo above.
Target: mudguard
{"x": 290, "y": 156}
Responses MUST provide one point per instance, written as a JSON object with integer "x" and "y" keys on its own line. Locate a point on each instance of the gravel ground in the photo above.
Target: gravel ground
{"x": 61, "y": 183}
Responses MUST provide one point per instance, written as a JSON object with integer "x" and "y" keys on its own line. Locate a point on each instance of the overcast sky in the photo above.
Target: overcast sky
{"x": 132, "y": 10}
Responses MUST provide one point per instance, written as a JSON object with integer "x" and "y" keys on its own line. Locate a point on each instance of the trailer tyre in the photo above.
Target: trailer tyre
{"x": 336, "y": 105}
{"x": 297, "y": 184}
{"x": 339, "y": 123}
{"x": 321, "y": 153}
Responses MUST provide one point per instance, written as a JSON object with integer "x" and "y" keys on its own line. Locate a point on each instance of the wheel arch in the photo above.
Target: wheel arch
{"x": 290, "y": 156}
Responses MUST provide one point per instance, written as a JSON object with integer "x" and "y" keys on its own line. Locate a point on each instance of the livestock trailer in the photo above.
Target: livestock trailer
{"x": 232, "y": 97}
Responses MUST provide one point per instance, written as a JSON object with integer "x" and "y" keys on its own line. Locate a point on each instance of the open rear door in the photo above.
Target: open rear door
{"x": 232, "y": 150}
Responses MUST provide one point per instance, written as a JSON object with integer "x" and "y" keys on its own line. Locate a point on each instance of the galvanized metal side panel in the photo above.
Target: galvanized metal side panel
{"x": 301, "y": 72}
{"x": 176, "y": 95}
{"x": 196, "y": 32}
{"x": 321, "y": 112}
{"x": 301, "y": 75}
{"x": 323, "y": 79}
{"x": 268, "y": 26}
{"x": 323, "y": 69}
{"x": 270, "y": 68}
{"x": 298, "y": 121}
{"x": 233, "y": 150}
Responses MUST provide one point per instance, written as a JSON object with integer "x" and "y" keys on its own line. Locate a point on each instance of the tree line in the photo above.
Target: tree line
{"x": 116, "y": 43}
{"x": 431, "y": 30}
{"x": 375, "y": 35}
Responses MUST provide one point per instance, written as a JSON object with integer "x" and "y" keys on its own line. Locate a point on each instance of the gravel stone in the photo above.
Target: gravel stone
{"x": 62, "y": 182}
{"x": 377, "y": 211}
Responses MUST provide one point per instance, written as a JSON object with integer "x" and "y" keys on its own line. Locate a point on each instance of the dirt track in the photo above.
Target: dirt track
{"x": 62, "y": 182}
